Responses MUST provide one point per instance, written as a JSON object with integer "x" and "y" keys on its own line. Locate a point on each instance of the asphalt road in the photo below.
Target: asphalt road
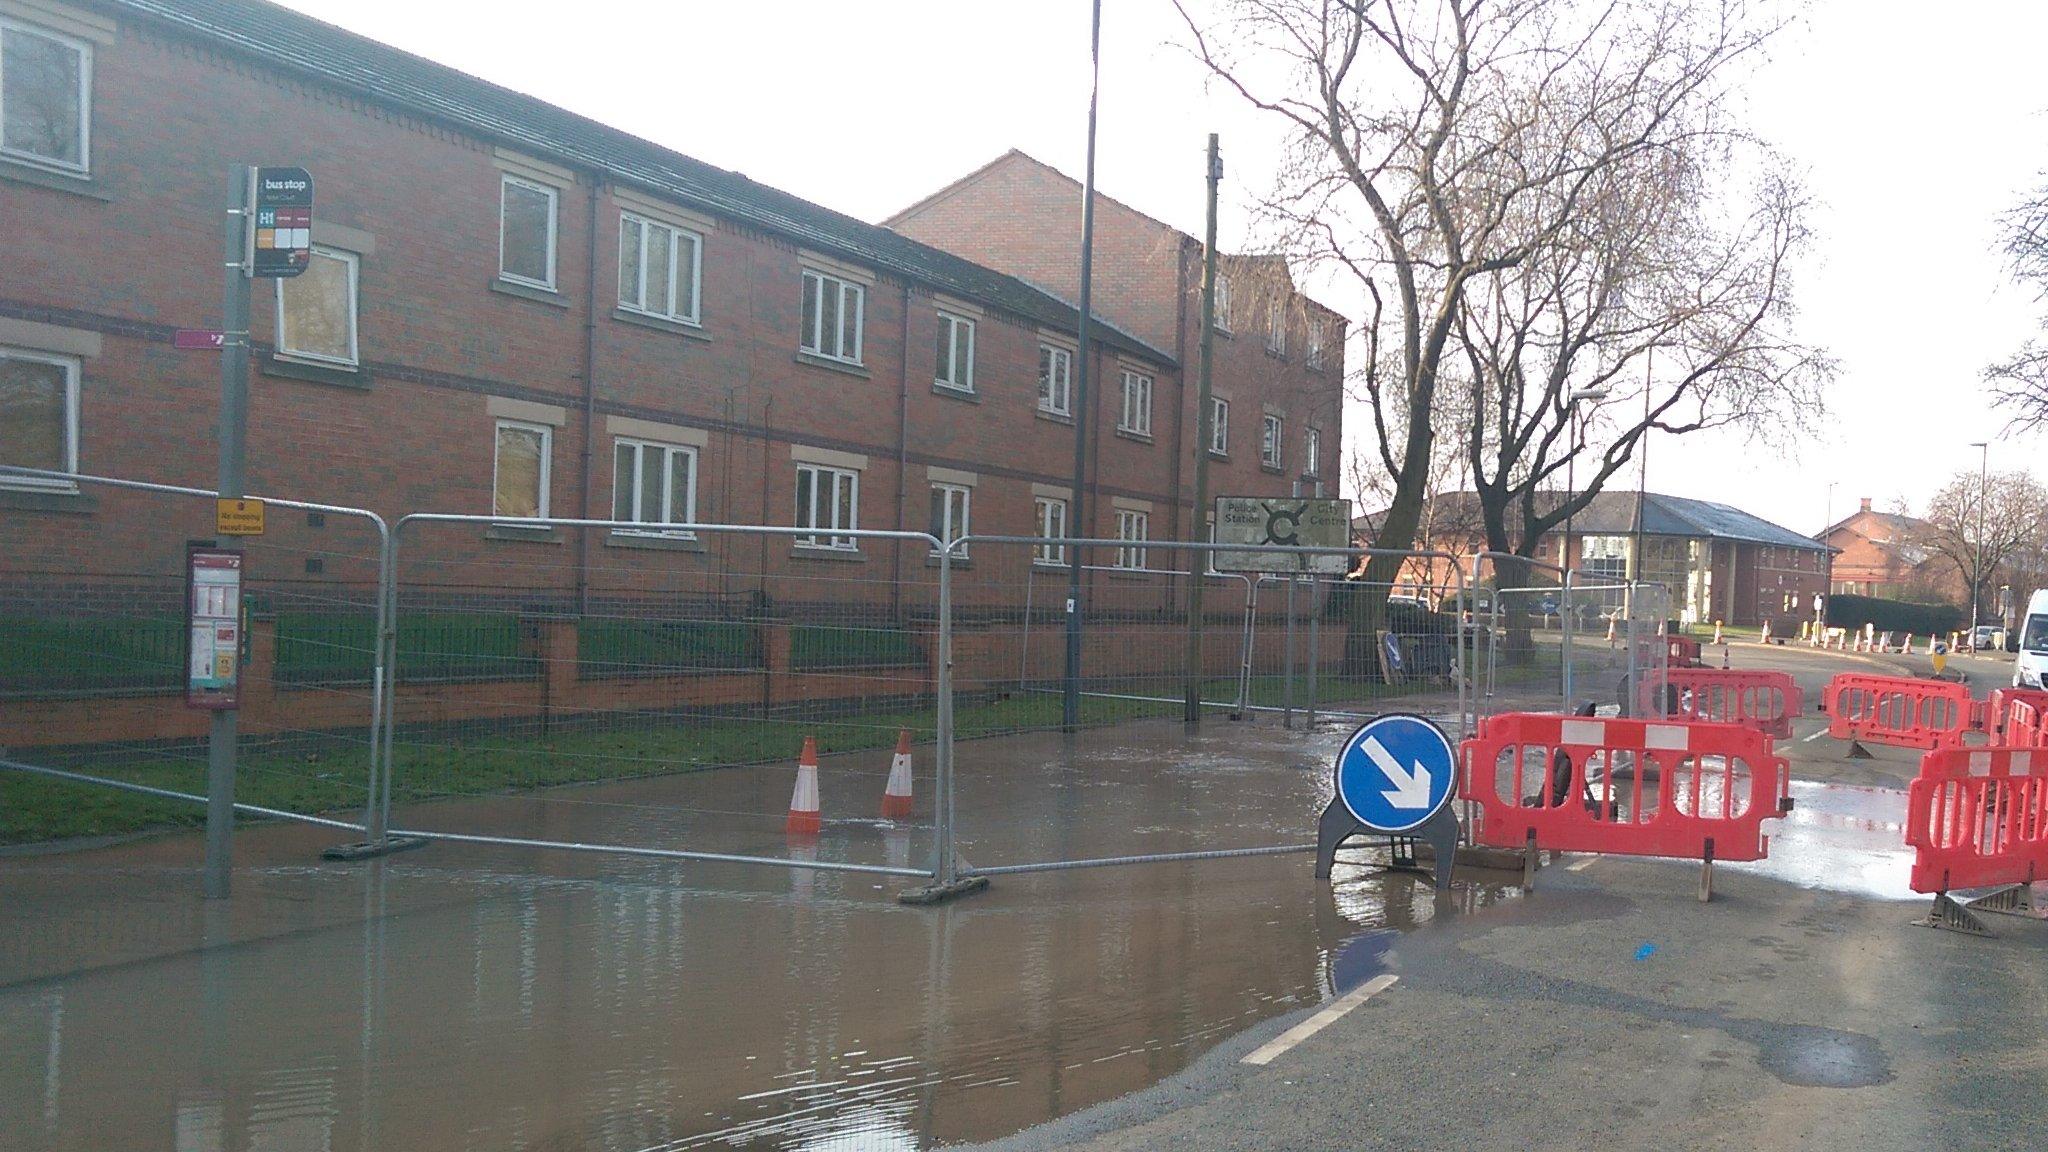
{"x": 1610, "y": 1010}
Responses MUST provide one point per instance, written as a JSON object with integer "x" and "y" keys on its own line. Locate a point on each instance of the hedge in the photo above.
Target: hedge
{"x": 1846, "y": 611}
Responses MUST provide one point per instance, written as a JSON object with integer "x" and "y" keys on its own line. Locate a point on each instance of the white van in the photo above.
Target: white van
{"x": 2030, "y": 667}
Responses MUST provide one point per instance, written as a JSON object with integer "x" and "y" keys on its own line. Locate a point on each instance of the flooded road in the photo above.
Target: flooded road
{"x": 466, "y": 997}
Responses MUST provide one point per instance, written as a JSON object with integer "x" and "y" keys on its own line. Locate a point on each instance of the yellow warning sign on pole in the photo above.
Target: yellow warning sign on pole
{"x": 1940, "y": 661}
{"x": 238, "y": 517}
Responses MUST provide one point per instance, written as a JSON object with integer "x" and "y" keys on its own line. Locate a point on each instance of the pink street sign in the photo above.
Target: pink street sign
{"x": 198, "y": 339}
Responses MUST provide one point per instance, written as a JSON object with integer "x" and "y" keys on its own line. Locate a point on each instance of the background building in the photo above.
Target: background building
{"x": 1877, "y": 554}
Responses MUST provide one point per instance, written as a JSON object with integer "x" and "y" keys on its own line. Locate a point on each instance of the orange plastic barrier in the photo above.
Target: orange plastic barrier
{"x": 1977, "y": 817}
{"x": 2018, "y": 716}
{"x": 1751, "y": 697}
{"x": 1897, "y": 711}
{"x": 1627, "y": 787}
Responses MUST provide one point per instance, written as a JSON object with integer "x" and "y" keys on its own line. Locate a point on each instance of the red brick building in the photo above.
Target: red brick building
{"x": 1876, "y": 555}
{"x": 515, "y": 310}
{"x": 1279, "y": 356}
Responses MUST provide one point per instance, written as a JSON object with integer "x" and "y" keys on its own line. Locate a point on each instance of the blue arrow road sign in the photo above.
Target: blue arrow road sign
{"x": 1395, "y": 773}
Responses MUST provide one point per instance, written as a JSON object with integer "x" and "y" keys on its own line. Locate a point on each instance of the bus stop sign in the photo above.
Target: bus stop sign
{"x": 283, "y": 240}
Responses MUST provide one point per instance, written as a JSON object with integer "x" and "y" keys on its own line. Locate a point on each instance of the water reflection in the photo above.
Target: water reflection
{"x": 466, "y": 998}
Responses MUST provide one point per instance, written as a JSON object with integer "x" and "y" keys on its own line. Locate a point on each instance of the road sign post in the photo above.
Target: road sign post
{"x": 268, "y": 232}
{"x": 1394, "y": 778}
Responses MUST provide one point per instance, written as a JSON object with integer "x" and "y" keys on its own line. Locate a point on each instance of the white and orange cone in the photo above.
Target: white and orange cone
{"x": 896, "y": 798}
{"x": 804, "y": 818}
{"x": 1717, "y": 632}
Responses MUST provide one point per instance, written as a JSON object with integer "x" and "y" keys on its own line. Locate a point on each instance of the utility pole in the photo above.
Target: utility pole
{"x": 234, "y": 422}
{"x": 1977, "y": 568}
{"x": 1192, "y": 705}
{"x": 1070, "y": 705}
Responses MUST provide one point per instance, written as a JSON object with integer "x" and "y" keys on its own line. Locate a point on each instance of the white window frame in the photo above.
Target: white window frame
{"x": 827, "y": 539}
{"x": 547, "y": 466}
{"x": 1055, "y": 388}
{"x": 1312, "y": 449}
{"x": 1272, "y": 432}
{"x": 811, "y": 343}
{"x": 506, "y": 181}
{"x": 1133, "y": 527}
{"x": 1222, "y": 320}
{"x": 959, "y": 372}
{"x": 1313, "y": 355}
{"x": 1050, "y": 555}
{"x": 671, "y": 452}
{"x": 1219, "y": 426}
{"x": 70, "y": 366}
{"x": 695, "y": 270}
{"x": 354, "y": 358}
{"x": 84, "y": 50}
{"x": 1136, "y": 418}
{"x": 947, "y": 530}
{"x": 1276, "y": 327}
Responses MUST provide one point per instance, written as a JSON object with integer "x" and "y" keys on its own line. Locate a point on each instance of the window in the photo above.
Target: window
{"x": 955, "y": 367}
{"x": 1222, "y": 304}
{"x": 950, "y": 504}
{"x": 1131, "y": 527}
{"x": 1055, "y": 379}
{"x": 1312, "y": 453}
{"x": 654, "y": 484}
{"x": 1276, "y": 327}
{"x": 526, "y": 233}
{"x": 1137, "y": 415}
{"x": 1604, "y": 556}
{"x": 659, "y": 267}
{"x": 1314, "y": 352}
{"x": 316, "y": 310}
{"x": 1269, "y": 441}
{"x": 1052, "y": 525}
{"x": 519, "y": 482}
{"x": 1219, "y": 426}
{"x": 832, "y": 317}
{"x": 827, "y": 501}
{"x": 45, "y": 98}
{"x": 38, "y": 416}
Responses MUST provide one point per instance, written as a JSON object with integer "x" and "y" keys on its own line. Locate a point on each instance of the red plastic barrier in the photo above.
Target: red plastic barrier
{"x": 1977, "y": 817}
{"x": 1627, "y": 787}
{"x": 1674, "y": 651}
{"x": 1897, "y": 711}
{"x": 2017, "y": 717}
{"x": 1751, "y": 697}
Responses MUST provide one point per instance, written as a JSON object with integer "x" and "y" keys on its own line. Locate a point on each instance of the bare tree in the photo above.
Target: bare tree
{"x": 1437, "y": 142}
{"x": 2014, "y": 515}
{"x": 2019, "y": 383}
{"x": 1669, "y": 296}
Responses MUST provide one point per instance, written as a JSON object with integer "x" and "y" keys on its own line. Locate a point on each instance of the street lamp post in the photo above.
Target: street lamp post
{"x": 1977, "y": 568}
{"x": 1564, "y": 552}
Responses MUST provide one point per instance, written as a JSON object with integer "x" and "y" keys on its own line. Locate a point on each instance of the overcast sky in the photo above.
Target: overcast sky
{"x": 1915, "y": 132}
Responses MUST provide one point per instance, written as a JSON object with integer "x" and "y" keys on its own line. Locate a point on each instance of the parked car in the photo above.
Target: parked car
{"x": 1987, "y": 638}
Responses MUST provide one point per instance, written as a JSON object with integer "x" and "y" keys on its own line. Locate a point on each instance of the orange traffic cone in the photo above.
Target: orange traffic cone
{"x": 804, "y": 819}
{"x": 1610, "y": 631}
{"x": 1717, "y": 632}
{"x": 896, "y": 797}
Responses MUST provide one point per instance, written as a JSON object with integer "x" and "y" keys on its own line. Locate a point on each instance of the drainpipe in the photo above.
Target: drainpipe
{"x": 589, "y": 399}
{"x": 902, "y": 458}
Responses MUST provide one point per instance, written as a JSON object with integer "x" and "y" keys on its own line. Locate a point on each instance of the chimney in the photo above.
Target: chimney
{"x": 1866, "y": 503}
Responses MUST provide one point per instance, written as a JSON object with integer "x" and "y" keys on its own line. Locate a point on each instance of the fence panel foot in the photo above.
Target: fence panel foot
{"x": 371, "y": 849}
{"x": 939, "y": 893}
{"x": 2011, "y": 900}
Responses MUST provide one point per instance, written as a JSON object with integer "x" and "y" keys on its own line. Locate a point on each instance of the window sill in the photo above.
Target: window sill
{"x": 814, "y": 552}
{"x": 654, "y": 542}
{"x": 931, "y": 560}
{"x": 1220, "y": 330}
{"x": 661, "y": 324}
{"x": 955, "y": 392}
{"x": 1215, "y": 455}
{"x": 1054, "y": 417}
{"x": 1050, "y": 565}
{"x": 1140, "y": 437}
{"x": 275, "y": 365}
{"x": 546, "y": 296}
{"x": 22, "y": 172}
{"x": 1129, "y": 577}
{"x": 521, "y": 534}
{"x": 69, "y": 501}
{"x": 1279, "y": 354}
{"x": 1271, "y": 469}
{"x": 1317, "y": 368}
{"x": 829, "y": 364}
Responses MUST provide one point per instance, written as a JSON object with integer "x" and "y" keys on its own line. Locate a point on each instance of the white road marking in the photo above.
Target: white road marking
{"x": 1581, "y": 864}
{"x": 1275, "y": 1048}
{"x": 1812, "y": 738}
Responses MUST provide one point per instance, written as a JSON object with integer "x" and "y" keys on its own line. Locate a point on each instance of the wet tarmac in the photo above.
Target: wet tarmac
{"x": 477, "y": 997}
